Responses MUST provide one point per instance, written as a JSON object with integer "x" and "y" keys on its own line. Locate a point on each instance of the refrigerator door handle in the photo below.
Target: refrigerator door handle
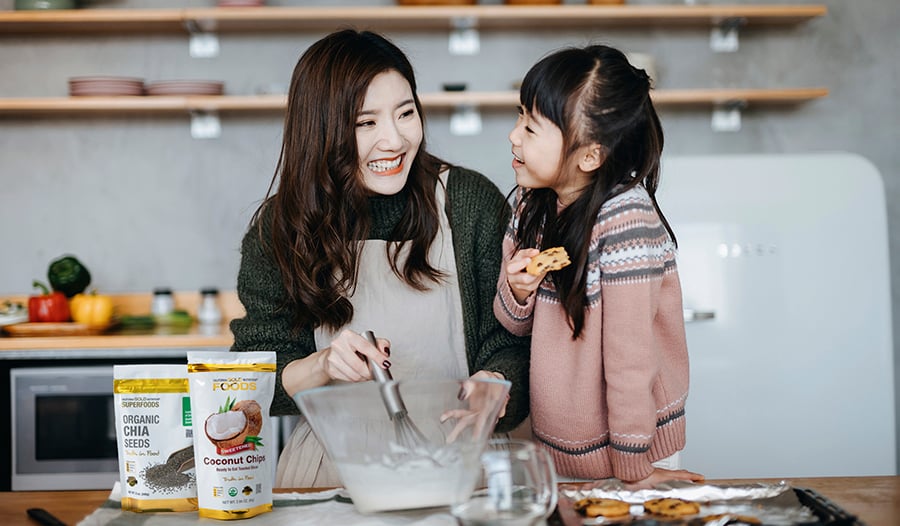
{"x": 691, "y": 315}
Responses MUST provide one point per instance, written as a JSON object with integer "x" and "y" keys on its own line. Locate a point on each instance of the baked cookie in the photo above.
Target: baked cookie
{"x": 549, "y": 260}
{"x": 670, "y": 507}
{"x": 600, "y": 507}
{"x": 732, "y": 518}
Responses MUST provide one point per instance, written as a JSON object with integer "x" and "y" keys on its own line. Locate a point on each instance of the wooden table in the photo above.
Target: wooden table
{"x": 875, "y": 500}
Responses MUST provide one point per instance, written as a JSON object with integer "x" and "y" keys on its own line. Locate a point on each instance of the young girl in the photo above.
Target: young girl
{"x": 609, "y": 362}
{"x": 364, "y": 229}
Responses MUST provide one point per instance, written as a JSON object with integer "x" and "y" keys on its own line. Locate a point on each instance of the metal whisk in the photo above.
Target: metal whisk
{"x": 408, "y": 435}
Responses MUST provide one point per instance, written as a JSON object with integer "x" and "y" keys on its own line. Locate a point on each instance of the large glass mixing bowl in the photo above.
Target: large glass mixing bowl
{"x": 383, "y": 463}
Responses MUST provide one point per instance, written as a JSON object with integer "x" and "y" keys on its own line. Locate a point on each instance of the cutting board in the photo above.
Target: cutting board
{"x": 52, "y": 329}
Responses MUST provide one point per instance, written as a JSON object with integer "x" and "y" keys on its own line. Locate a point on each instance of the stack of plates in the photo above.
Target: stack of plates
{"x": 437, "y": 2}
{"x": 185, "y": 87}
{"x": 45, "y": 4}
{"x": 532, "y": 2}
{"x": 241, "y": 3}
{"x": 105, "y": 86}
{"x": 13, "y": 318}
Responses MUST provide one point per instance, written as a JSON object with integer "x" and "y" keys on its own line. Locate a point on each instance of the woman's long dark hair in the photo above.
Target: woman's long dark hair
{"x": 320, "y": 209}
{"x": 593, "y": 95}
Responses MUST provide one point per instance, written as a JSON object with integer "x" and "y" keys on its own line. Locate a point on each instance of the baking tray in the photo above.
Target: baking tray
{"x": 829, "y": 513}
{"x": 817, "y": 509}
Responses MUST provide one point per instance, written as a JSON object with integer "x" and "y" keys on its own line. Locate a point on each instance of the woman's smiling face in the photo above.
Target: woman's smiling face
{"x": 388, "y": 133}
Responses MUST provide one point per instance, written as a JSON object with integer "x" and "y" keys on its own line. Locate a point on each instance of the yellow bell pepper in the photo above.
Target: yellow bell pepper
{"x": 93, "y": 310}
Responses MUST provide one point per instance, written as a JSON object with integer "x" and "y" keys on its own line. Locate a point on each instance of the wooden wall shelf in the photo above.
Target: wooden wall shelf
{"x": 440, "y": 100}
{"x": 398, "y": 17}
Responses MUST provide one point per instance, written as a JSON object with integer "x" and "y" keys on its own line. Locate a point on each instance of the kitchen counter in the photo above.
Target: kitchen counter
{"x": 196, "y": 336}
{"x": 875, "y": 500}
{"x": 110, "y": 344}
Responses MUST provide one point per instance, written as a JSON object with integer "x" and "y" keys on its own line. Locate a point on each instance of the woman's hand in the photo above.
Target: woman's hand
{"x": 346, "y": 360}
{"x": 521, "y": 282}
{"x": 662, "y": 475}
{"x": 348, "y": 357}
{"x": 480, "y": 404}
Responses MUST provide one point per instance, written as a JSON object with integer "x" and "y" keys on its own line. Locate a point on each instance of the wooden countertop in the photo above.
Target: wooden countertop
{"x": 194, "y": 336}
{"x": 875, "y": 500}
{"x": 159, "y": 338}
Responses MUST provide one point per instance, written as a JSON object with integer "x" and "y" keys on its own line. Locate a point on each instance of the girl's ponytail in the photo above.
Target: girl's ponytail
{"x": 648, "y": 171}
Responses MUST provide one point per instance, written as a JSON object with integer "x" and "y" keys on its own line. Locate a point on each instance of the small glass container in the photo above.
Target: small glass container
{"x": 163, "y": 303}
{"x": 209, "y": 313}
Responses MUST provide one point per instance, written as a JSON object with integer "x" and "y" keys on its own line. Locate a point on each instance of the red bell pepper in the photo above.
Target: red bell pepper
{"x": 49, "y": 306}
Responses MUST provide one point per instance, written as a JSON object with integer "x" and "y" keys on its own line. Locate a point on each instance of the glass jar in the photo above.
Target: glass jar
{"x": 163, "y": 303}
{"x": 209, "y": 313}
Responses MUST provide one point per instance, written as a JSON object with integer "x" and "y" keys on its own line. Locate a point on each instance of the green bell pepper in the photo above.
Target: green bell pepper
{"x": 68, "y": 275}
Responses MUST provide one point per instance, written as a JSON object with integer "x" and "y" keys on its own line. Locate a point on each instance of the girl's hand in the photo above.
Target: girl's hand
{"x": 521, "y": 283}
{"x": 662, "y": 475}
{"x": 480, "y": 404}
{"x": 348, "y": 357}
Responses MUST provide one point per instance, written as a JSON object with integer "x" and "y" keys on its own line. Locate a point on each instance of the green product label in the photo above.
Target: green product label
{"x": 186, "y": 411}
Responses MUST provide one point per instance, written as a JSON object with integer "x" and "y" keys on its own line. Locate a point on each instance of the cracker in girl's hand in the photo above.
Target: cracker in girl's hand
{"x": 547, "y": 261}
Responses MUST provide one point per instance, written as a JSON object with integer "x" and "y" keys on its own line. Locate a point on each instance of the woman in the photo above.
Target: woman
{"x": 364, "y": 229}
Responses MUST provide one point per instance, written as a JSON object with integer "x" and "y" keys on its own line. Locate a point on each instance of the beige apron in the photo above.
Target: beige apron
{"x": 412, "y": 320}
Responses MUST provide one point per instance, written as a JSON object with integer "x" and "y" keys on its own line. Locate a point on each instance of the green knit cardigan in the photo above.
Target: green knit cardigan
{"x": 478, "y": 214}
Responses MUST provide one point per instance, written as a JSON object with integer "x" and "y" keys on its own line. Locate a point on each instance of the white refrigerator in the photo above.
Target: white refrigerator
{"x": 786, "y": 285}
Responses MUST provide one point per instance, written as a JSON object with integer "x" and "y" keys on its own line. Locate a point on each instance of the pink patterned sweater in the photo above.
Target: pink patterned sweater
{"x": 612, "y": 402}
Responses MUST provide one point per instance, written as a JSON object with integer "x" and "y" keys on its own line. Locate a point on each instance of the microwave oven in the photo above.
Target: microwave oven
{"x": 63, "y": 432}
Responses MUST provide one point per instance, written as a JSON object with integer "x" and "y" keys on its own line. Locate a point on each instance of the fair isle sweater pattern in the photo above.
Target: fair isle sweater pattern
{"x": 634, "y": 247}
{"x": 611, "y": 402}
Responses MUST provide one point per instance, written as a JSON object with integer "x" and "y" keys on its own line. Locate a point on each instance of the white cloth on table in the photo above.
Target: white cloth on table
{"x": 289, "y": 509}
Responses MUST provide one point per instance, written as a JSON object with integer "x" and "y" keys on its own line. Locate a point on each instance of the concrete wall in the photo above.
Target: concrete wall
{"x": 144, "y": 205}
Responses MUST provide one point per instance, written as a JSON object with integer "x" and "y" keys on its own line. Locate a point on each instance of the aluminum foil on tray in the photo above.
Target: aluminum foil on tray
{"x": 719, "y": 504}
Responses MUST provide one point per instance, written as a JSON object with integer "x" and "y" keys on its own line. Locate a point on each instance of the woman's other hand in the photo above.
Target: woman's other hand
{"x": 662, "y": 475}
{"x": 480, "y": 405}
{"x": 521, "y": 283}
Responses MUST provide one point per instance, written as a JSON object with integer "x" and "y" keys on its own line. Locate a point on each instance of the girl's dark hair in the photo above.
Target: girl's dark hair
{"x": 320, "y": 209}
{"x": 593, "y": 95}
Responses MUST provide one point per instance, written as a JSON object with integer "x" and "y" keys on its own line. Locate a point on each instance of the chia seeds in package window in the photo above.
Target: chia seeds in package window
{"x": 154, "y": 435}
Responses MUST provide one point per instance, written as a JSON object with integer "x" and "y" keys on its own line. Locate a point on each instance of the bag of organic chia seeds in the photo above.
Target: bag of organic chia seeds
{"x": 154, "y": 437}
{"x": 230, "y": 396}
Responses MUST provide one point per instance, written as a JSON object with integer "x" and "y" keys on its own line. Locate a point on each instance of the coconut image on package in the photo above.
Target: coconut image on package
{"x": 154, "y": 437}
{"x": 230, "y": 397}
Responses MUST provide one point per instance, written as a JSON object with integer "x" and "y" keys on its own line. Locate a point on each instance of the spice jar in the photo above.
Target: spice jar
{"x": 163, "y": 303}
{"x": 209, "y": 313}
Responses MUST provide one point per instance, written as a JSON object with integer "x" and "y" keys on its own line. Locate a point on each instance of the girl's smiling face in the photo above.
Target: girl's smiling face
{"x": 388, "y": 133}
{"x": 536, "y": 147}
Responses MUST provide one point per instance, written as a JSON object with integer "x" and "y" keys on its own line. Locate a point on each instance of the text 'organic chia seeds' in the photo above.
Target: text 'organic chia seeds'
{"x": 154, "y": 437}
{"x": 230, "y": 397}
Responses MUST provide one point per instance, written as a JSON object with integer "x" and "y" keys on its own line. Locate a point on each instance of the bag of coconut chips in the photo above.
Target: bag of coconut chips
{"x": 230, "y": 397}
{"x": 153, "y": 434}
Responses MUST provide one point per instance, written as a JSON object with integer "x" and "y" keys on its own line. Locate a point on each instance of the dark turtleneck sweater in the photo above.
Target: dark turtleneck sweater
{"x": 478, "y": 213}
